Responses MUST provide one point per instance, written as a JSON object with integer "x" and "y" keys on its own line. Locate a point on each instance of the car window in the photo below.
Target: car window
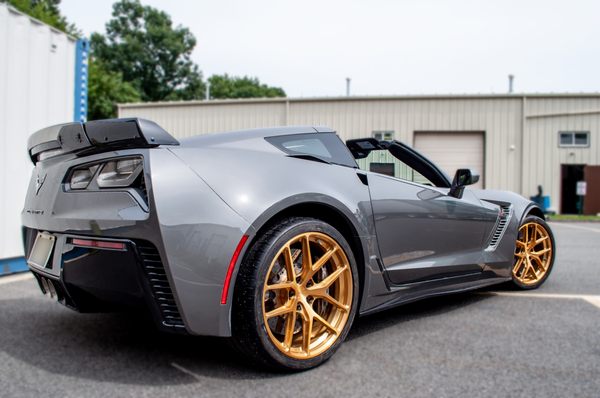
{"x": 323, "y": 146}
{"x": 309, "y": 146}
{"x": 383, "y": 162}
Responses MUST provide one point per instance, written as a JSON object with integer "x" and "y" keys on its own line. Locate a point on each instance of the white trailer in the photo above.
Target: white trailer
{"x": 42, "y": 76}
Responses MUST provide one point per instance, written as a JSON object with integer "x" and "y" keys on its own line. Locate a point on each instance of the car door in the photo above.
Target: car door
{"x": 424, "y": 234}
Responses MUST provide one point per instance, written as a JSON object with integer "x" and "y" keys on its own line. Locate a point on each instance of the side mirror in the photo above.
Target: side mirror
{"x": 462, "y": 178}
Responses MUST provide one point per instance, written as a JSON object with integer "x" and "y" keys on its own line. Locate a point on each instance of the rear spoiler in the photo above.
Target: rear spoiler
{"x": 96, "y": 136}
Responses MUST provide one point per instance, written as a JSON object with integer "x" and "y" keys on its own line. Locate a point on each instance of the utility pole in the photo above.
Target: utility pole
{"x": 348, "y": 86}
{"x": 511, "y": 79}
{"x": 207, "y": 90}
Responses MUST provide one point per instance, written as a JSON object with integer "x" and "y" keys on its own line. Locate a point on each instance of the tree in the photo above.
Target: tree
{"x": 46, "y": 11}
{"x": 142, "y": 44}
{"x": 105, "y": 90}
{"x": 225, "y": 86}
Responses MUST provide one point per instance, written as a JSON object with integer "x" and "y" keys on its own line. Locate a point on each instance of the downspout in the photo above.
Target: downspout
{"x": 287, "y": 112}
{"x": 523, "y": 126}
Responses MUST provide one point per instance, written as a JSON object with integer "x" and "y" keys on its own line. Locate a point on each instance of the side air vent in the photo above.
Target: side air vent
{"x": 159, "y": 283}
{"x": 501, "y": 224}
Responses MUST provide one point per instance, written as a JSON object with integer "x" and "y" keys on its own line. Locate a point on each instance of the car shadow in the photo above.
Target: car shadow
{"x": 425, "y": 308}
{"x": 126, "y": 348}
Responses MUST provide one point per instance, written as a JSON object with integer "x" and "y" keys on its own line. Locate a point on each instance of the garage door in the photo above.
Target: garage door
{"x": 453, "y": 150}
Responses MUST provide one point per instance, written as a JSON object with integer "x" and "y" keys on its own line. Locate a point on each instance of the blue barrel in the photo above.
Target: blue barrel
{"x": 542, "y": 201}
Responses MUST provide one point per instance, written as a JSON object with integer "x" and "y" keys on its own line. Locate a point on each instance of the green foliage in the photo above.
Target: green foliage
{"x": 142, "y": 44}
{"x": 142, "y": 57}
{"x": 46, "y": 11}
{"x": 225, "y": 86}
{"x": 106, "y": 89}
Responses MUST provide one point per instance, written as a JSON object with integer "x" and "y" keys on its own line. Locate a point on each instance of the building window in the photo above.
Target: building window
{"x": 382, "y": 168}
{"x": 574, "y": 139}
{"x": 383, "y": 135}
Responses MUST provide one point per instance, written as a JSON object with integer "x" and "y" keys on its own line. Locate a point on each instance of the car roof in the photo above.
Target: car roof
{"x": 237, "y": 135}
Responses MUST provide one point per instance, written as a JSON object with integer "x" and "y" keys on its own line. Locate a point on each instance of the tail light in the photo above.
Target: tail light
{"x": 117, "y": 173}
{"x": 81, "y": 178}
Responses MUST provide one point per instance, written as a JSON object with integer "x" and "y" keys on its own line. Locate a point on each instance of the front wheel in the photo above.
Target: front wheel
{"x": 534, "y": 253}
{"x": 296, "y": 295}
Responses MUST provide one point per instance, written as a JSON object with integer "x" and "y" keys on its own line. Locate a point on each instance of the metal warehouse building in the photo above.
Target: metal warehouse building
{"x": 516, "y": 141}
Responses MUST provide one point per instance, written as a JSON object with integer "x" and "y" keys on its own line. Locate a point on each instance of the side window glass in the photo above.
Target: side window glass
{"x": 324, "y": 146}
{"x": 309, "y": 146}
{"x": 383, "y": 162}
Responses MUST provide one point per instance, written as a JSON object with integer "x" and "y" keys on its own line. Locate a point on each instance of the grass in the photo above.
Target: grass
{"x": 572, "y": 217}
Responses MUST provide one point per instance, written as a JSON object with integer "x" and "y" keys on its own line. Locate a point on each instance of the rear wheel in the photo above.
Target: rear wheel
{"x": 296, "y": 295}
{"x": 534, "y": 253}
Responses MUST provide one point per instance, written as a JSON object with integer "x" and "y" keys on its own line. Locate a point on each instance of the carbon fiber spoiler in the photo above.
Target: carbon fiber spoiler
{"x": 96, "y": 136}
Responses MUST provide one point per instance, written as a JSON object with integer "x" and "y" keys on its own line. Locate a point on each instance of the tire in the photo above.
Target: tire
{"x": 533, "y": 261}
{"x": 309, "y": 327}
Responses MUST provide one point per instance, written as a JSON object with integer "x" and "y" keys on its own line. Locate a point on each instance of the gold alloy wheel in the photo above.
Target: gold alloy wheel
{"x": 533, "y": 254}
{"x": 307, "y": 295}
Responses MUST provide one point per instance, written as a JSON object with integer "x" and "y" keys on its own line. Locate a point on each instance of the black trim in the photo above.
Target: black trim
{"x": 159, "y": 285}
{"x": 98, "y": 136}
{"x": 419, "y": 163}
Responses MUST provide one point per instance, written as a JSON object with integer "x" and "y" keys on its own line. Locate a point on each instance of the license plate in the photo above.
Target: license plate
{"x": 41, "y": 251}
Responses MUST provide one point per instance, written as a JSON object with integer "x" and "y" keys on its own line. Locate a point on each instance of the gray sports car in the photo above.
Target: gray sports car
{"x": 273, "y": 237}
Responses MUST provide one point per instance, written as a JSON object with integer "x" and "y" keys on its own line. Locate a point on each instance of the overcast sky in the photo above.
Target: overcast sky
{"x": 309, "y": 47}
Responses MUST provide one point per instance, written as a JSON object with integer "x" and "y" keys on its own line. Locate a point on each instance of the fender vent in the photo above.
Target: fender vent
{"x": 500, "y": 227}
{"x": 159, "y": 284}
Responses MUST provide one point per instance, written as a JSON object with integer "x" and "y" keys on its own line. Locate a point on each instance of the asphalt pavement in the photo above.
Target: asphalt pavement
{"x": 544, "y": 343}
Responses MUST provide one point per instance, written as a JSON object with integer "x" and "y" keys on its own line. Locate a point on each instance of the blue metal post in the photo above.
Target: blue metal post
{"x": 82, "y": 52}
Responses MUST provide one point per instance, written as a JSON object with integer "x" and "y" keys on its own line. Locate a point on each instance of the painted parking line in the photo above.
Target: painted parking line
{"x": 590, "y": 298}
{"x": 582, "y": 228}
{"x": 15, "y": 278}
{"x": 186, "y": 371}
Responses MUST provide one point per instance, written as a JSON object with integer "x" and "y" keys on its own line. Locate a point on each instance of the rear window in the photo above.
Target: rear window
{"x": 324, "y": 146}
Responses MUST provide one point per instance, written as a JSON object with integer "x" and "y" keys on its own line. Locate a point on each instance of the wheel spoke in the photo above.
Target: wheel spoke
{"x": 324, "y": 322}
{"x": 540, "y": 252}
{"x": 284, "y": 309}
{"x": 323, "y": 260}
{"x": 280, "y": 286}
{"x": 518, "y": 265}
{"x": 289, "y": 329}
{"x": 534, "y": 233}
{"x": 307, "y": 326}
{"x": 333, "y": 301}
{"x": 328, "y": 281}
{"x": 289, "y": 264}
{"x": 541, "y": 265}
{"x": 540, "y": 240}
{"x": 531, "y": 270}
{"x": 306, "y": 258}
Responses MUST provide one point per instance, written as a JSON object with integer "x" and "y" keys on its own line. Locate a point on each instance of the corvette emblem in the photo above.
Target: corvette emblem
{"x": 39, "y": 181}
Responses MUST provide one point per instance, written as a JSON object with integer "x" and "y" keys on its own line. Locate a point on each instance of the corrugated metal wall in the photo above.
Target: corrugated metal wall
{"x": 513, "y": 160}
{"x": 546, "y": 117}
{"x": 37, "y": 65}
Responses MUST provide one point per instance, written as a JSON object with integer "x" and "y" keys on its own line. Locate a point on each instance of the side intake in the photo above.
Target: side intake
{"x": 96, "y": 136}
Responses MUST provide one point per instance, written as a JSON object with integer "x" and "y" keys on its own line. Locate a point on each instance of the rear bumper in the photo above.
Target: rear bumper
{"x": 183, "y": 223}
{"x": 102, "y": 280}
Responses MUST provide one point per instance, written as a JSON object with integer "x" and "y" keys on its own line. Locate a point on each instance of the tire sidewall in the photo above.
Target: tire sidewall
{"x": 540, "y": 221}
{"x": 262, "y": 267}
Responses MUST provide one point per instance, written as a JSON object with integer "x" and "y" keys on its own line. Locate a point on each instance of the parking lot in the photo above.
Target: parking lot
{"x": 543, "y": 343}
